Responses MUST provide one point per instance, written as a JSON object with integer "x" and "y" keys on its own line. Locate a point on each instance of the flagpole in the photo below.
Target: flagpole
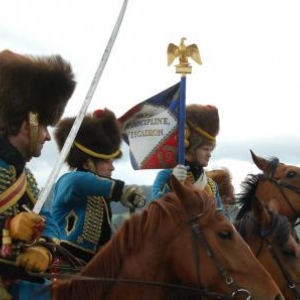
{"x": 182, "y": 52}
{"x": 181, "y": 144}
{"x": 69, "y": 141}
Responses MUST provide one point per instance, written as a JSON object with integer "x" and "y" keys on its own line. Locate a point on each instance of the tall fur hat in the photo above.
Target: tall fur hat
{"x": 202, "y": 125}
{"x": 41, "y": 85}
{"x": 99, "y": 137}
{"x": 224, "y": 181}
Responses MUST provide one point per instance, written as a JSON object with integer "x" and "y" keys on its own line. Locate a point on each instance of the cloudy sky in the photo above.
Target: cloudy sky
{"x": 251, "y": 66}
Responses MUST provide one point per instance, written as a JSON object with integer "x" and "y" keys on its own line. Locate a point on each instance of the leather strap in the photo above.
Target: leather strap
{"x": 11, "y": 196}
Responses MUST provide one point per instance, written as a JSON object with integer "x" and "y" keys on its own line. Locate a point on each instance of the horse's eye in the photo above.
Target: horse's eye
{"x": 289, "y": 253}
{"x": 225, "y": 235}
{"x": 291, "y": 174}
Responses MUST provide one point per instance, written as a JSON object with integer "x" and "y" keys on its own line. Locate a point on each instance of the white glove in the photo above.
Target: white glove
{"x": 180, "y": 172}
{"x": 133, "y": 196}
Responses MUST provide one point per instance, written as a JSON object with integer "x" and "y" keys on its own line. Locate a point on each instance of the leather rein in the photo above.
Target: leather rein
{"x": 74, "y": 266}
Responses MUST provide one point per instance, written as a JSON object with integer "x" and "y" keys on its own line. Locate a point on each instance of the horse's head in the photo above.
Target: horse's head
{"x": 279, "y": 186}
{"x": 179, "y": 246}
{"x": 208, "y": 252}
{"x": 270, "y": 237}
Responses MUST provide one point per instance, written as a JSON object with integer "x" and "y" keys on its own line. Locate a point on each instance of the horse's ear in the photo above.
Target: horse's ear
{"x": 174, "y": 181}
{"x": 183, "y": 192}
{"x": 261, "y": 213}
{"x": 190, "y": 199}
{"x": 260, "y": 162}
{"x": 177, "y": 187}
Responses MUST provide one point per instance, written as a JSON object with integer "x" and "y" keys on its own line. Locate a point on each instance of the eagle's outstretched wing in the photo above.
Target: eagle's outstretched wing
{"x": 172, "y": 52}
{"x": 193, "y": 52}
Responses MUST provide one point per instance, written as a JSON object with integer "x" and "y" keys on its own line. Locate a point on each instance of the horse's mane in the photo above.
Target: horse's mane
{"x": 245, "y": 196}
{"x": 249, "y": 227}
{"x": 126, "y": 241}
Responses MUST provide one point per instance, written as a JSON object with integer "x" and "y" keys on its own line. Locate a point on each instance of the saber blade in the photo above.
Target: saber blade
{"x": 70, "y": 139}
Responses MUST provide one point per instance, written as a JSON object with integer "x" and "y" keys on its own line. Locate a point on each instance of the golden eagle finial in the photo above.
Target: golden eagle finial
{"x": 183, "y": 52}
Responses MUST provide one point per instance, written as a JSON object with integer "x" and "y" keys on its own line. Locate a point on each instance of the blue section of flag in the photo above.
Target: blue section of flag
{"x": 151, "y": 125}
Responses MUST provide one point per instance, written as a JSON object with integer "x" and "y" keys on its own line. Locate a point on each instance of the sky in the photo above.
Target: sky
{"x": 250, "y": 70}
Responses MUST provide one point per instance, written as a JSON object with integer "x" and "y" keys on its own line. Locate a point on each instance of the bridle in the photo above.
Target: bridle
{"x": 264, "y": 234}
{"x": 198, "y": 237}
{"x": 236, "y": 292}
{"x": 281, "y": 186}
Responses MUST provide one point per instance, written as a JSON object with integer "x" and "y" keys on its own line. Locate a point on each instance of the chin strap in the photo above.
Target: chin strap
{"x": 33, "y": 132}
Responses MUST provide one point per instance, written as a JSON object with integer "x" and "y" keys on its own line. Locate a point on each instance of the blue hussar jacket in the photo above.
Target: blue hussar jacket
{"x": 12, "y": 166}
{"x": 81, "y": 208}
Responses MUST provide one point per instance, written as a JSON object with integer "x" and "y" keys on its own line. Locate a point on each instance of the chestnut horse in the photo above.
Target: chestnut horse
{"x": 278, "y": 187}
{"x": 270, "y": 237}
{"x": 179, "y": 247}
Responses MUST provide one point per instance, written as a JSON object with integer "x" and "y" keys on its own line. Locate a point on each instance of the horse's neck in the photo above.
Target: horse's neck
{"x": 146, "y": 270}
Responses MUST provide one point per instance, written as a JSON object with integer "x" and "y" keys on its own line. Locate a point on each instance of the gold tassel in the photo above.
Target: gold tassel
{"x": 6, "y": 249}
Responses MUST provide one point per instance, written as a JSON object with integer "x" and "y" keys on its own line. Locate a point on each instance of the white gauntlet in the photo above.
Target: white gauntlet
{"x": 180, "y": 172}
{"x": 133, "y": 196}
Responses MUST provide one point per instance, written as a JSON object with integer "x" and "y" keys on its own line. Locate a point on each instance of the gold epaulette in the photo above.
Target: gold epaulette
{"x": 32, "y": 189}
{"x": 7, "y": 178}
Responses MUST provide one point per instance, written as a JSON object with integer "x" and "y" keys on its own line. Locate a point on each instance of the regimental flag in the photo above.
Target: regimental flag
{"x": 151, "y": 130}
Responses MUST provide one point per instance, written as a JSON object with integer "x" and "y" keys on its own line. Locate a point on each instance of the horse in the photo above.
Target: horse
{"x": 270, "y": 237}
{"x": 179, "y": 247}
{"x": 278, "y": 187}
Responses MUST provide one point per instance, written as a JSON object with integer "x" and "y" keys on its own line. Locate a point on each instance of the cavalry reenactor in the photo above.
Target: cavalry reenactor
{"x": 34, "y": 91}
{"x": 81, "y": 202}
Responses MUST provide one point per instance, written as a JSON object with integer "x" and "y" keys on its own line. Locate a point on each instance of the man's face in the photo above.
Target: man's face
{"x": 43, "y": 136}
{"x": 105, "y": 167}
{"x": 203, "y": 155}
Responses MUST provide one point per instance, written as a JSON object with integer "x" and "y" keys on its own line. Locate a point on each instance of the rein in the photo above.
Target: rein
{"x": 105, "y": 279}
{"x": 203, "y": 293}
{"x": 236, "y": 293}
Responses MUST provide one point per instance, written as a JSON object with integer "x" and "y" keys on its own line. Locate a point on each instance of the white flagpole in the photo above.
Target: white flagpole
{"x": 70, "y": 139}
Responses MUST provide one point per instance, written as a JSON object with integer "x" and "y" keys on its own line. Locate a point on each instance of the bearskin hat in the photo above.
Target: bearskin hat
{"x": 41, "y": 85}
{"x": 99, "y": 136}
{"x": 202, "y": 125}
{"x": 224, "y": 181}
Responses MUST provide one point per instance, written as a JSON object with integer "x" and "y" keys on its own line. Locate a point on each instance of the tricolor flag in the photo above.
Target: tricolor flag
{"x": 151, "y": 130}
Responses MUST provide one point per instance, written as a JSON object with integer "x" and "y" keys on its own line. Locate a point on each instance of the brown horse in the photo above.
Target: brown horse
{"x": 278, "y": 187}
{"x": 179, "y": 247}
{"x": 270, "y": 237}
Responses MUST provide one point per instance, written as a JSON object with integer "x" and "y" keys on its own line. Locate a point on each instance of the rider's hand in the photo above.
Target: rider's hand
{"x": 35, "y": 258}
{"x": 133, "y": 196}
{"x": 26, "y": 226}
{"x": 180, "y": 172}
